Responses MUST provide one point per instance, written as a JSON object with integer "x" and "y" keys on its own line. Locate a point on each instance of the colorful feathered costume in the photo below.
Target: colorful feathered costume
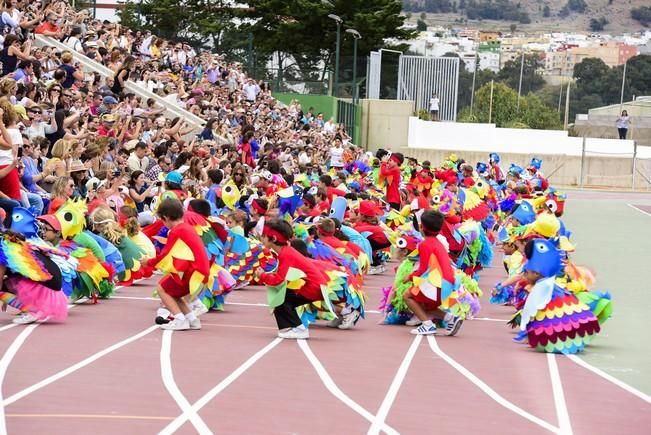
{"x": 24, "y": 222}
{"x": 221, "y": 282}
{"x": 553, "y": 319}
{"x": 95, "y": 276}
{"x": 34, "y": 280}
{"x": 243, "y": 256}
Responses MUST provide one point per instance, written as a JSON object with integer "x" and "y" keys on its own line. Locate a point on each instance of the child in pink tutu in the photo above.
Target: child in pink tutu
{"x": 39, "y": 297}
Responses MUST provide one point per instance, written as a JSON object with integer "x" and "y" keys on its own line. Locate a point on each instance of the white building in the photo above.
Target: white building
{"x": 489, "y": 60}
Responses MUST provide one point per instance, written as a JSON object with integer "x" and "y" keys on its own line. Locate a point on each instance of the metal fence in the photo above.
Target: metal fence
{"x": 347, "y": 114}
{"x": 373, "y": 74}
{"x": 420, "y": 77}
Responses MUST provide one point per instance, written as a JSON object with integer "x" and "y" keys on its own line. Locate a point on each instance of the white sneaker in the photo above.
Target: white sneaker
{"x": 177, "y": 325}
{"x": 374, "y": 270}
{"x": 453, "y": 326}
{"x": 425, "y": 329}
{"x": 25, "y": 319}
{"x": 334, "y": 323}
{"x": 383, "y": 268}
{"x": 298, "y": 333}
{"x": 195, "y": 324}
{"x": 199, "y": 309}
{"x": 349, "y": 320}
{"x": 414, "y": 321}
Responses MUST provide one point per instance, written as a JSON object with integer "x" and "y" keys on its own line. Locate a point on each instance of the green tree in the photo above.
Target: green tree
{"x": 531, "y": 113}
{"x": 464, "y": 89}
{"x": 165, "y": 18}
{"x": 531, "y": 79}
{"x": 537, "y": 115}
{"x": 597, "y": 25}
{"x": 513, "y": 28}
{"x": 546, "y": 12}
{"x": 301, "y": 30}
{"x": 589, "y": 69}
{"x": 421, "y": 26}
{"x": 198, "y": 21}
{"x": 577, "y": 5}
{"x": 642, "y": 14}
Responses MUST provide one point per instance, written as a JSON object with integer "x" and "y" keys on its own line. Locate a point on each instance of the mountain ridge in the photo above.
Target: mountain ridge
{"x": 618, "y": 14}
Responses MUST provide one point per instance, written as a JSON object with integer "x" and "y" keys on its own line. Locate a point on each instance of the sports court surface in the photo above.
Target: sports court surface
{"x": 108, "y": 370}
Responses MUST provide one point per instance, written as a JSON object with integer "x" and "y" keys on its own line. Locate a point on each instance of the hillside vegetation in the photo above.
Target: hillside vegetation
{"x": 609, "y": 16}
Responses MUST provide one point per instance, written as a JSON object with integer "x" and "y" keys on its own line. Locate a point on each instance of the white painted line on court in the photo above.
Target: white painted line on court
{"x": 168, "y": 380}
{"x": 4, "y": 365}
{"x": 559, "y": 396}
{"x": 490, "y": 319}
{"x": 380, "y": 417}
{"x": 640, "y": 210}
{"x": 181, "y": 419}
{"x": 246, "y": 304}
{"x": 9, "y": 326}
{"x": 136, "y": 298}
{"x": 488, "y": 390}
{"x": 335, "y": 390}
{"x": 575, "y": 359}
{"x": 73, "y": 368}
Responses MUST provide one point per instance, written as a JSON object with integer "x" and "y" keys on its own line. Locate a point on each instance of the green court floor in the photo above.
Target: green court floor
{"x": 614, "y": 239}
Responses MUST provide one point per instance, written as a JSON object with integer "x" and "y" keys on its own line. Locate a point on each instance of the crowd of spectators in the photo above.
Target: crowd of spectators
{"x": 67, "y": 132}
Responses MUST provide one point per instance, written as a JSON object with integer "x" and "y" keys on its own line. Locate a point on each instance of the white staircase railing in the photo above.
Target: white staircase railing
{"x": 88, "y": 65}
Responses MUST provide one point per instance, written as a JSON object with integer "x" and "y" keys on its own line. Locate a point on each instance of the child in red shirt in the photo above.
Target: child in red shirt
{"x": 390, "y": 172}
{"x": 421, "y": 300}
{"x": 276, "y": 236}
{"x": 184, "y": 258}
{"x": 368, "y": 227}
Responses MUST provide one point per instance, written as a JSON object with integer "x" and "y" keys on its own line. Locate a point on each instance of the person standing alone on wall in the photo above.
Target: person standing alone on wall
{"x": 623, "y": 122}
{"x": 434, "y": 107}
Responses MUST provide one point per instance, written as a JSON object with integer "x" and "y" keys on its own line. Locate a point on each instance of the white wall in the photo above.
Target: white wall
{"x": 488, "y": 138}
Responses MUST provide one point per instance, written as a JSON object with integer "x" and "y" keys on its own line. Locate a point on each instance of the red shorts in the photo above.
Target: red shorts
{"x": 427, "y": 303}
{"x": 174, "y": 287}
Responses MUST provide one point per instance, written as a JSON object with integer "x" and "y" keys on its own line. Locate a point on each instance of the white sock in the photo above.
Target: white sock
{"x": 301, "y": 327}
{"x": 346, "y": 310}
{"x": 428, "y": 323}
{"x": 180, "y": 317}
{"x": 448, "y": 317}
{"x": 191, "y": 317}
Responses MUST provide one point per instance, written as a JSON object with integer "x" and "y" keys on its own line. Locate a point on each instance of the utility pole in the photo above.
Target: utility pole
{"x": 621, "y": 98}
{"x": 567, "y": 106}
{"x": 520, "y": 84}
{"x": 474, "y": 74}
{"x": 490, "y": 105}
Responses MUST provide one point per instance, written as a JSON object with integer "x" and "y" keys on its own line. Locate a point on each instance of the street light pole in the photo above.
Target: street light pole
{"x": 338, "y": 20}
{"x": 520, "y": 84}
{"x": 621, "y": 98}
{"x": 356, "y": 36}
{"x": 474, "y": 75}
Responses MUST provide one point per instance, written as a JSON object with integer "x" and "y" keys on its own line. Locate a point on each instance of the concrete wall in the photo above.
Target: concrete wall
{"x": 606, "y": 163}
{"x": 489, "y": 138}
{"x": 385, "y": 123}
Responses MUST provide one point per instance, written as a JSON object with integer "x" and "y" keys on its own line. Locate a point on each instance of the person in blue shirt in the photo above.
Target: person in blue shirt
{"x": 24, "y": 72}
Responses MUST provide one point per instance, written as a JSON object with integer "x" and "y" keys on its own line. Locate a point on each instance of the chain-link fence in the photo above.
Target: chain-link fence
{"x": 319, "y": 79}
